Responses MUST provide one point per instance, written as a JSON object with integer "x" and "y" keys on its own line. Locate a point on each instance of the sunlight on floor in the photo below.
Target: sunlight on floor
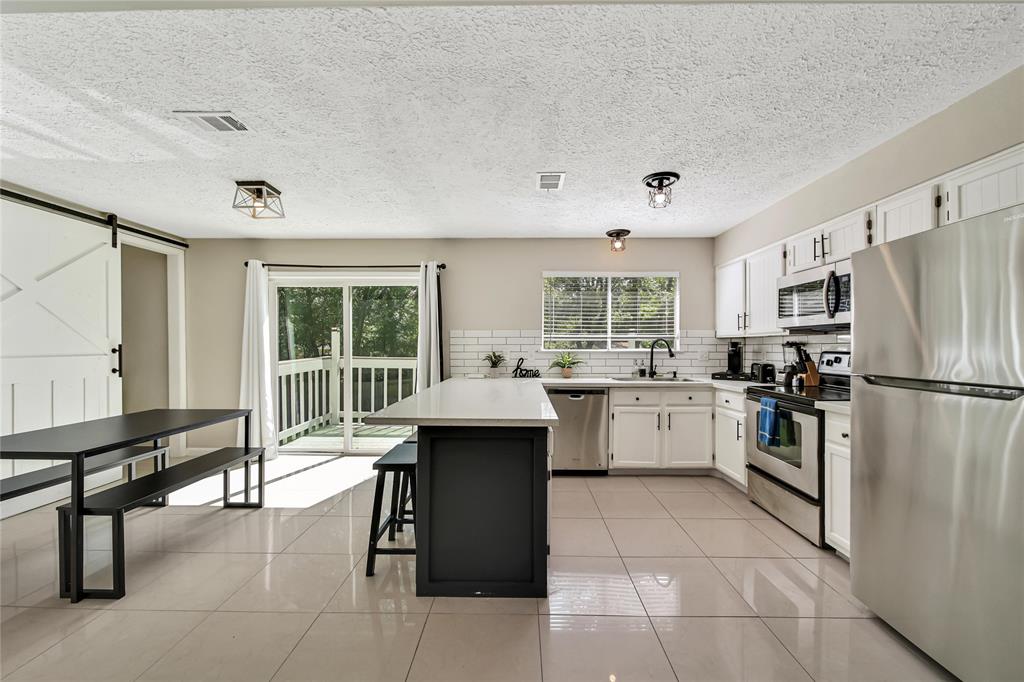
{"x": 293, "y": 481}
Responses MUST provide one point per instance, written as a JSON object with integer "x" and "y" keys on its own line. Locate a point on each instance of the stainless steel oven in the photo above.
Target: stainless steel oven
{"x": 796, "y": 462}
{"x": 820, "y": 299}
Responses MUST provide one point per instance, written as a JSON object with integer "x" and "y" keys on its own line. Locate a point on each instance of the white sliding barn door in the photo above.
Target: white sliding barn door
{"x": 60, "y": 316}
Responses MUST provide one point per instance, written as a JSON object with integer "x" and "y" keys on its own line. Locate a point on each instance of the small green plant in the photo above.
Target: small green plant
{"x": 565, "y": 361}
{"x": 495, "y": 359}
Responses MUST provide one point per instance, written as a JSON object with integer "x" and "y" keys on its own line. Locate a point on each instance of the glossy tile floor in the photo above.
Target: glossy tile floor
{"x": 660, "y": 578}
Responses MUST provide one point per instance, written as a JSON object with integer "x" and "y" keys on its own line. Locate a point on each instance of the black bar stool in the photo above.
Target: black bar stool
{"x": 400, "y": 462}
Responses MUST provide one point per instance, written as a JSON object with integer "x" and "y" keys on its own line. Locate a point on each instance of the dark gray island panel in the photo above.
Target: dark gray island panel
{"x": 481, "y": 512}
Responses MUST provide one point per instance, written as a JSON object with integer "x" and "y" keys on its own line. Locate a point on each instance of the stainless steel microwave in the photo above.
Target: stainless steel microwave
{"x": 820, "y": 299}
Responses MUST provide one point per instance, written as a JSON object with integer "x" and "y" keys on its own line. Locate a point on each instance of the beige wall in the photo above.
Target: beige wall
{"x": 144, "y": 328}
{"x": 488, "y": 284}
{"x": 981, "y": 124}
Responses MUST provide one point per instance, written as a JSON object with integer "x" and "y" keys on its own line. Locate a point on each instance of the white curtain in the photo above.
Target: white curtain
{"x": 428, "y": 352}
{"x": 257, "y": 386}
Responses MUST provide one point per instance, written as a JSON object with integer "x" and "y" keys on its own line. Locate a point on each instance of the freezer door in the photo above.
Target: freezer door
{"x": 944, "y": 305}
{"x": 938, "y": 521}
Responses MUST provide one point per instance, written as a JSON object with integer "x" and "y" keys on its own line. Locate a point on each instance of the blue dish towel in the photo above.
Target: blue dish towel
{"x": 768, "y": 423}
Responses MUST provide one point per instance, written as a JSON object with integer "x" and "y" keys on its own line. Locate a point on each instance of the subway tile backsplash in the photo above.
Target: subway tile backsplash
{"x": 698, "y": 353}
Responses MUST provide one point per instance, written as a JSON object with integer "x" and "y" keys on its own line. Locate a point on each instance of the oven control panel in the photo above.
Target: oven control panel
{"x": 834, "y": 362}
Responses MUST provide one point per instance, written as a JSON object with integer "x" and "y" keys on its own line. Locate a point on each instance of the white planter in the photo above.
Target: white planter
{"x": 494, "y": 372}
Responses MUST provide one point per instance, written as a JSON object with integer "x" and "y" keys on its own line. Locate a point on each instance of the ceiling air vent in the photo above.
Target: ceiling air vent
{"x": 214, "y": 121}
{"x": 550, "y": 181}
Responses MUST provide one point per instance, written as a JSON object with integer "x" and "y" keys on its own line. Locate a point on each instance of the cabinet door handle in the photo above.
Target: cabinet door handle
{"x": 815, "y": 248}
{"x": 727, "y": 401}
{"x": 669, "y": 421}
{"x": 738, "y": 425}
{"x": 119, "y": 352}
{"x": 845, "y": 435}
{"x": 738, "y": 316}
{"x": 659, "y": 421}
{"x": 745, "y": 318}
{"x": 824, "y": 253}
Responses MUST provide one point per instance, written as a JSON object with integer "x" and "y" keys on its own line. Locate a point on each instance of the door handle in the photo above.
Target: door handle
{"x": 119, "y": 352}
{"x": 738, "y": 316}
{"x": 830, "y": 284}
{"x": 815, "y": 248}
{"x": 738, "y": 425}
{"x": 824, "y": 253}
{"x": 576, "y": 396}
{"x": 669, "y": 421}
{"x": 745, "y": 317}
{"x": 659, "y": 421}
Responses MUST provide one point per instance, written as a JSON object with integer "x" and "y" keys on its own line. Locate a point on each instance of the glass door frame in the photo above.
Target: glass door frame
{"x": 345, "y": 280}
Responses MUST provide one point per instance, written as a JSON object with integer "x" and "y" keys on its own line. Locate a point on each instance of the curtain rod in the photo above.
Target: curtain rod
{"x": 80, "y": 215}
{"x": 440, "y": 266}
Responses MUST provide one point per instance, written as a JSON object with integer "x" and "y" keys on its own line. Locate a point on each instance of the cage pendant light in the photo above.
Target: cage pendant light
{"x": 258, "y": 199}
{"x": 659, "y": 186}
{"x": 618, "y": 239}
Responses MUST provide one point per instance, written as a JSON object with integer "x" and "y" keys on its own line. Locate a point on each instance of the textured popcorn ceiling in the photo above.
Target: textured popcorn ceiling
{"x": 432, "y": 121}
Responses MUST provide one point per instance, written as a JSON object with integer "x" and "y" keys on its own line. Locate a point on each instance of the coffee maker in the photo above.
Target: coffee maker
{"x": 733, "y": 364}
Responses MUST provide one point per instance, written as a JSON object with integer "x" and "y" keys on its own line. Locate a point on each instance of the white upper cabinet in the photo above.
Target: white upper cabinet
{"x": 983, "y": 187}
{"x": 763, "y": 271}
{"x": 804, "y": 251}
{"x": 729, "y": 299}
{"x": 844, "y": 235}
{"x": 906, "y": 213}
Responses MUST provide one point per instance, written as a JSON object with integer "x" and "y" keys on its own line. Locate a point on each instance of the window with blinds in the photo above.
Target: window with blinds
{"x": 609, "y": 312}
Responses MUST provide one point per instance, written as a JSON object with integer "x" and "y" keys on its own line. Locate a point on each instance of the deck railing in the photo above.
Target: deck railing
{"x": 310, "y": 392}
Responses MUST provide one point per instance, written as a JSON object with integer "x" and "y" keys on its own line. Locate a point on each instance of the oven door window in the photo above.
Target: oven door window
{"x": 790, "y": 447}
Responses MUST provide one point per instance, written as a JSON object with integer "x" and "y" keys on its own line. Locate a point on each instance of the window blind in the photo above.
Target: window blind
{"x": 609, "y": 312}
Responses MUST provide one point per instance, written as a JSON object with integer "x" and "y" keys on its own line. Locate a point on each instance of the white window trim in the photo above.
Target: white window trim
{"x": 622, "y": 273}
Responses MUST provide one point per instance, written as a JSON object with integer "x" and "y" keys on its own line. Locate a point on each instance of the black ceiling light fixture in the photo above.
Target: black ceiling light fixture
{"x": 660, "y": 188}
{"x": 258, "y": 199}
{"x": 618, "y": 238}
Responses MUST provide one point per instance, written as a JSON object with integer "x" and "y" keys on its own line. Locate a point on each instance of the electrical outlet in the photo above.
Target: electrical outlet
{"x": 702, "y": 355}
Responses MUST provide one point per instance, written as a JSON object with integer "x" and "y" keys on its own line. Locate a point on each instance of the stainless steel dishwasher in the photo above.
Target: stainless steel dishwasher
{"x": 581, "y": 437}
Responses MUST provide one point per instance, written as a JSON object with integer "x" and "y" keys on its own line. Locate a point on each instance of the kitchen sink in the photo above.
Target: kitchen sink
{"x": 656, "y": 379}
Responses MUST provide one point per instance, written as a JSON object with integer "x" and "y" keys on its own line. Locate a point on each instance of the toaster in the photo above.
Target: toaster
{"x": 762, "y": 372}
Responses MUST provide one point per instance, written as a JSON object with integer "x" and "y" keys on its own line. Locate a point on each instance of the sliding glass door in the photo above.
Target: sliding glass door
{"x": 346, "y": 348}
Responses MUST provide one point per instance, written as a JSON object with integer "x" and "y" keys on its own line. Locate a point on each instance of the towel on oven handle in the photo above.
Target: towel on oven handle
{"x": 768, "y": 422}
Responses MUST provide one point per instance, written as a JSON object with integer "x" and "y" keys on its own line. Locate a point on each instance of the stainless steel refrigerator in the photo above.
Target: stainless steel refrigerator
{"x": 938, "y": 441}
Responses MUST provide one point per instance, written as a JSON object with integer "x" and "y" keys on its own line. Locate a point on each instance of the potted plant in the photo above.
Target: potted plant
{"x": 495, "y": 360}
{"x": 566, "y": 361}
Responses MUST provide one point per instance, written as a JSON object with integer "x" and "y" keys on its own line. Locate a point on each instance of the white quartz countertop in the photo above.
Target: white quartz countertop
{"x": 473, "y": 402}
{"x": 609, "y": 382}
{"x": 834, "y": 406}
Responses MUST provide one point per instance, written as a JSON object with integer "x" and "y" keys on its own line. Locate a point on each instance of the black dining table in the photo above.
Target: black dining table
{"x": 77, "y": 442}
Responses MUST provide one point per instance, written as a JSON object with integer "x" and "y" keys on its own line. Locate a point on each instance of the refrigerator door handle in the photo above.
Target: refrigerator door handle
{"x": 965, "y": 390}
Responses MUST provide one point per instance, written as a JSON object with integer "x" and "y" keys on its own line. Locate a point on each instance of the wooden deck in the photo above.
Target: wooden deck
{"x": 332, "y": 439}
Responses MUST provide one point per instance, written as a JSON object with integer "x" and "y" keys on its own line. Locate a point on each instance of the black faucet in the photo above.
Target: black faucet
{"x": 651, "y": 373}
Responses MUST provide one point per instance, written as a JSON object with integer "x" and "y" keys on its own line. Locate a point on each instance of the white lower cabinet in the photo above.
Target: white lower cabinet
{"x": 730, "y": 445}
{"x": 837, "y": 482}
{"x": 635, "y": 437}
{"x": 688, "y": 438}
{"x": 651, "y": 430}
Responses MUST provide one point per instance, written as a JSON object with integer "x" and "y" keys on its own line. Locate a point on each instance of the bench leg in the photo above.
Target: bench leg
{"x": 160, "y": 463}
{"x": 378, "y": 502}
{"x": 262, "y": 484}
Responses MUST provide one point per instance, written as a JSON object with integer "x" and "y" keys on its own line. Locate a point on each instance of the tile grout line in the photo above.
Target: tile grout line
{"x": 176, "y": 642}
{"x": 785, "y": 648}
{"x": 654, "y": 629}
{"x": 98, "y": 613}
{"x": 415, "y": 651}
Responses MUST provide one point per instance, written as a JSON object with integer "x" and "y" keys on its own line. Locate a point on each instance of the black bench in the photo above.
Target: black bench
{"x": 400, "y": 462}
{"x": 114, "y": 502}
{"x": 40, "y": 479}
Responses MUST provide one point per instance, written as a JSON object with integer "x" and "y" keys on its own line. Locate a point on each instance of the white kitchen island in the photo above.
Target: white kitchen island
{"x": 481, "y": 486}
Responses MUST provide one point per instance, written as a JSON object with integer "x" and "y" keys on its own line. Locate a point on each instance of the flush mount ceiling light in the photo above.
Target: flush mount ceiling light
{"x": 660, "y": 184}
{"x": 618, "y": 238}
{"x": 258, "y": 199}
